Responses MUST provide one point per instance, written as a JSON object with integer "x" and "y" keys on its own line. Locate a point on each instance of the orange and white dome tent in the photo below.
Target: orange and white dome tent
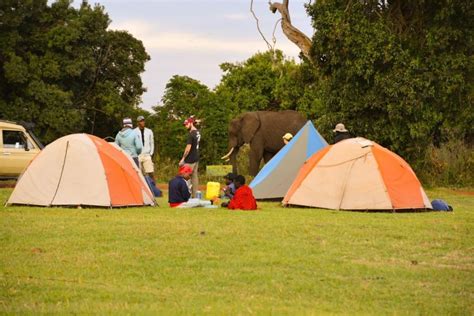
{"x": 82, "y": 169}
{"x": 357, "y": 174}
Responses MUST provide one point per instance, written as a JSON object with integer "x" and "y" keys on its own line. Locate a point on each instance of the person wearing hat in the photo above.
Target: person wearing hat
{"x": 146, "y": 138}
{"x": 128, "y": 140}
{"x": 341, "y": 133}
{"x": 178, "y": 188}
{"x": 287, "y": 138}
{"x": 179, "y": 195}
{"x": 191, "y": 152}
{"x": 229, "y": 189}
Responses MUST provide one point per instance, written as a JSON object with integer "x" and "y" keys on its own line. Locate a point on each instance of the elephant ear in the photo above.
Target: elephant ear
{"x": 250, "y": 124}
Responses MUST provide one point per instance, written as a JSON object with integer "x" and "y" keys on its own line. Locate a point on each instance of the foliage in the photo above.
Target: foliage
{"x": 397, "y": 72}
{"x": 452, "y": 163}
{"x": 64, "y": 70}
{"x": 274, "y": 261}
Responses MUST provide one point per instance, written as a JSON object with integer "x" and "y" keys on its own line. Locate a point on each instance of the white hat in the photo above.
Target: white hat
{"x": 127, "y": 122}
{"x": 287, "y": 136}
{"x": 340, "y": 128}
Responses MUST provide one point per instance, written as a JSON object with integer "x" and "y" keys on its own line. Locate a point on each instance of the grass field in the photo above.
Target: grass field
{"x": 276, "y": 260}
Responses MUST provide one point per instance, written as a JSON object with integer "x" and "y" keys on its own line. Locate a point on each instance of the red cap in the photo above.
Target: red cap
{"x": 190, "y": 119}
{"x": 185, "y": 170}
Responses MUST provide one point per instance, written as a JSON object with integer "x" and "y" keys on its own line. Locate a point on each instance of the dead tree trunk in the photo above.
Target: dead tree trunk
{"x": 292, "y": 33}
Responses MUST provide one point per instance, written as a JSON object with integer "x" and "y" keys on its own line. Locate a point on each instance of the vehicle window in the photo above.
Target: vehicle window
{"x": 14, "y": 139}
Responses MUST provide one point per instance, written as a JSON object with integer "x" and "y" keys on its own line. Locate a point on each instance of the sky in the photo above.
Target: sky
{"x": 192, "y": 37}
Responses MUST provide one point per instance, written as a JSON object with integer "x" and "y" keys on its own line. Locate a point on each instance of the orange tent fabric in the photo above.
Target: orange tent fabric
{"x": 81, "y": 169}
{"x": 357, "y": 174}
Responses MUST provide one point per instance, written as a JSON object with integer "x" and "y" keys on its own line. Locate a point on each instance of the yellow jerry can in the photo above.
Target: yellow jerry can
{"x": 212, "y": 190}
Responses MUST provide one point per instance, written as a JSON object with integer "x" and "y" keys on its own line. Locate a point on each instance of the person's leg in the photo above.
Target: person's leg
{"x": 148, "y": 167}
{"x": 137, "y": 162}
{"x": 195, "y": 179}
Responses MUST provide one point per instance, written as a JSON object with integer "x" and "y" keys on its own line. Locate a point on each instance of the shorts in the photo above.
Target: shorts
{"x": 146, "y": 163}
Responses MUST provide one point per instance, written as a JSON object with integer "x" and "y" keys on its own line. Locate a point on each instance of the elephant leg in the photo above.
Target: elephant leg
{"x": 267, "y": 156}
{"x": 255, "y": 156}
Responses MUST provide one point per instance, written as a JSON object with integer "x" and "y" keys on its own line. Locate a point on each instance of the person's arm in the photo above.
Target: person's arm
{"x": 187, "y": 149}
{"x": 117, "y": 141}
{"x": 152, "y": 143}
{"x": 184, "y": 190}
{"x": 138, "y": 144}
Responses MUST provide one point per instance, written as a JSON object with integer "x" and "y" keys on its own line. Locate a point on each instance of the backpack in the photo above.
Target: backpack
{"x": 440, "y": 205}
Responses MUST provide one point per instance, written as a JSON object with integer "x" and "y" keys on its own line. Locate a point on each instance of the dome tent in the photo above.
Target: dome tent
{"x": 357, "y": 174}
{"x": 275, "y": 178}
{"x": 81, "y": 169}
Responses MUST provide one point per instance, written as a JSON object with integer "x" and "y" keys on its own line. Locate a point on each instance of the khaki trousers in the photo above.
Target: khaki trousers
{"x": 194, "y": 178}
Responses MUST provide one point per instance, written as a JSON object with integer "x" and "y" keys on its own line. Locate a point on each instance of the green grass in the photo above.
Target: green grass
{"x": 276, "y": 260}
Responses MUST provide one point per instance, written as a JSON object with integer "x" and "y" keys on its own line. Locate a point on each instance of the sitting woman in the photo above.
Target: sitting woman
{"x": 243, "y": 198}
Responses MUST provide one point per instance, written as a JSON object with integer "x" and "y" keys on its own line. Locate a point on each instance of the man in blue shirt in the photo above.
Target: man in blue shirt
{"x": 178, "y": 188}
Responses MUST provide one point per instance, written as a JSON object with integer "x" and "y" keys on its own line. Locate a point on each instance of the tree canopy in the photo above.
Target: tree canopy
{"x": 63, "y": 69}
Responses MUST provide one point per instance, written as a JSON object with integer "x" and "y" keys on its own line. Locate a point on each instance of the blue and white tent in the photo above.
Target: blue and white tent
{"x": 276, "y": 177}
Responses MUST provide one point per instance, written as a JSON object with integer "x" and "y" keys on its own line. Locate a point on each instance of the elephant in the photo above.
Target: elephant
{"x": 263, "y": 131}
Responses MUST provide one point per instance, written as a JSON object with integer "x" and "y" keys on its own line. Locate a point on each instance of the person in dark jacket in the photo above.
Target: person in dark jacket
{"x": 341, "y": 133}
{"x": 178, "y": 188}
{"x": 243, "y": 198}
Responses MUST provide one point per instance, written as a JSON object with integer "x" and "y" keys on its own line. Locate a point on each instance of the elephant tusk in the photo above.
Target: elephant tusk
{"x": 226, "y": 157}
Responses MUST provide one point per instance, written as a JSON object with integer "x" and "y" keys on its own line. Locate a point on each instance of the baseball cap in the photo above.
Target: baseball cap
{"x": 185, "y": 170}
{"x": 190, "y": 119}
{"x": 140, "y": 118}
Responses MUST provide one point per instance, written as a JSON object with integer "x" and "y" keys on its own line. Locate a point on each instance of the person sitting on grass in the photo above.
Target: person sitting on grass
{"x": 179, "y": 195}
{"x": 178, "y": 188}
{"x": 243, "y": 198}
{"x": 229, "y": 189}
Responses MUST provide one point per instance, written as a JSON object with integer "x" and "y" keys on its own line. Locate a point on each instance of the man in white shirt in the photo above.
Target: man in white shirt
{"x": 146, "y": 137}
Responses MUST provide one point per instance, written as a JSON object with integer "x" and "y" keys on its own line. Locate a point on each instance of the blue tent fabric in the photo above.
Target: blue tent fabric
{"x": 275, "y": 178}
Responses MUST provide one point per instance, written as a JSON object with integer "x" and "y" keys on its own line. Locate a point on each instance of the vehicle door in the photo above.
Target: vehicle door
{"x": 16, "y": 152}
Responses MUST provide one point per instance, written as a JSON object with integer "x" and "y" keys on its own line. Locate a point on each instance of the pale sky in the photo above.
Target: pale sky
{"x": 192, "y": 37}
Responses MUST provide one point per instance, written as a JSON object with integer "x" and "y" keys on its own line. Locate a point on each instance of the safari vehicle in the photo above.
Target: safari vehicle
{"x": 18, "y": 146}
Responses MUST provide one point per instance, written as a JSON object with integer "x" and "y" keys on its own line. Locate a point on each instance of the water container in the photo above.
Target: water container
{"x": 212, "y": 190}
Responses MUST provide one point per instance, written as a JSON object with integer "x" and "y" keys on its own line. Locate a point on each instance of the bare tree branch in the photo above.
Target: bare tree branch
{"x": 292, "y": 33}
{"x": 270, "y": 47}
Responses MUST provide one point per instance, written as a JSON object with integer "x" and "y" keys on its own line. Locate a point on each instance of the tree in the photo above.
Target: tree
{"x": 397, "y": 72}
{"x": 63, "y": 70}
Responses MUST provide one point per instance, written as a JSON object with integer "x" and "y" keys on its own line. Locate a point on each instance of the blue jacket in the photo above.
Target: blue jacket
{"x": 178, "y": 190}
{"x": 129, "y": 141}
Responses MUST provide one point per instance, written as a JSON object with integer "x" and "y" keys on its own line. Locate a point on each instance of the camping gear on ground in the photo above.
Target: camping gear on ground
{"x": 275, "y": 178}
{"x": 82, "y": 169}
{"x": 153, "y": 188}
{"x": 212, "y": 190}
{"x": 441, "y": 205}
{"x": 357, "y": 174}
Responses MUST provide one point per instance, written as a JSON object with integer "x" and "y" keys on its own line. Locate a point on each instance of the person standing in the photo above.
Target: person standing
{"x": 191, "y": 152}
{"x": 146, "y": 138}
{"x": 128, "y": 140}
{"x": 341, "y": 133}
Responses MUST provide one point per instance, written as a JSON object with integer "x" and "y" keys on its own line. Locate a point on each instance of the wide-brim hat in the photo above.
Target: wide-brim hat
{"x": 230, "y": 176}
{"x": 340, "y": 128}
